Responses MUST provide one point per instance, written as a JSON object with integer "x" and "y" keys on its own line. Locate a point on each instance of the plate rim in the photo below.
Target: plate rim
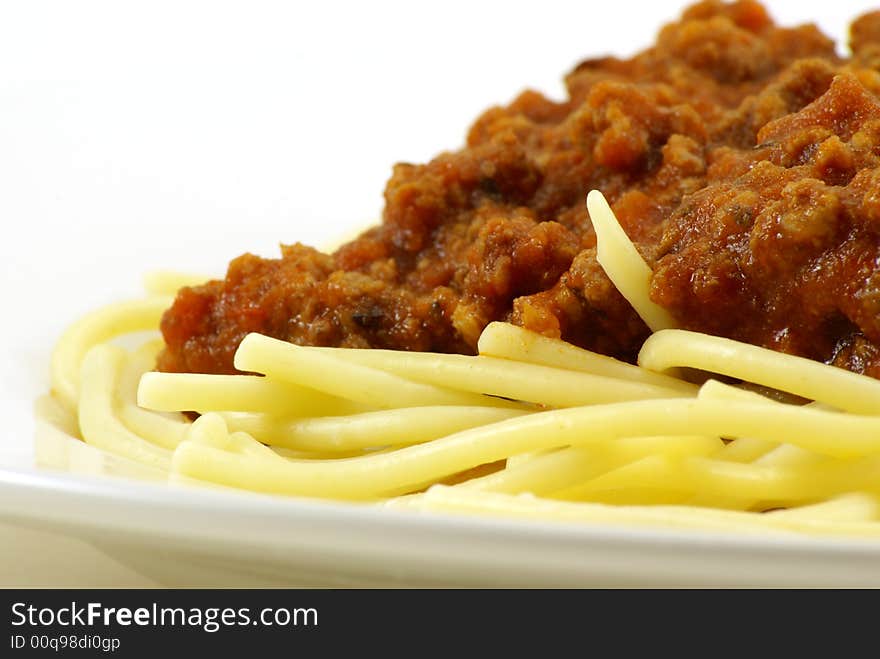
{"x": 112, "y": 493}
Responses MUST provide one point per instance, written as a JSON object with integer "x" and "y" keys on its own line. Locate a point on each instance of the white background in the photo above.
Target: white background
{"x": 138, "y": 136}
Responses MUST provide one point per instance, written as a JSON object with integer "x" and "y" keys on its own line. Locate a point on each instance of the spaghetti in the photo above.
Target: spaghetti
{"x": 531, "y": 427}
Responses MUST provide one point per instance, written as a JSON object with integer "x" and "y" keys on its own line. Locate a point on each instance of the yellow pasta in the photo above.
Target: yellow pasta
{"x": 414, "y": 465}
{"x": 547, "y": 386}
{"x": 181, "y": 392}
{"x": 623, "y": 264}
{"x": 532, "y": 427}
{"x": 451, "y": 499}
{"x": 163, "y": 429}
{"x": 345, "y": 377}
{"x": 551, "y": 472}
{"x": 400, "y": 427}
{"x": 518, "y": 344}
{"x": 211, "y": 430}
{"x": 165, "y": 282}
{"x": 97, "y": 417}
{"x": 796, "y": 375}
{"x": 98, "y": 327}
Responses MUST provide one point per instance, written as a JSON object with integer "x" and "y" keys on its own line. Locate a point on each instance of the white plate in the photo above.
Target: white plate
{"x": 189, "y": 535}
{"x": 251, "y": 128}
{"x": 184, "y": 536}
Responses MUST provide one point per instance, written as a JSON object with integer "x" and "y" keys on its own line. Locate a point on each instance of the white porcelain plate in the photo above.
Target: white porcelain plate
{"x": 185, "y": 535}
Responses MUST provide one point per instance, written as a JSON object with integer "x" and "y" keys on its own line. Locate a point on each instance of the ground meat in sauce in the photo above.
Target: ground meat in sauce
{"x": 742, "y": 158}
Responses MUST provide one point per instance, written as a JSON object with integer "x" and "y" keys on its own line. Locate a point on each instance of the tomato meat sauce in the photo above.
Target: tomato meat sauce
{"x": 741, "y": 157}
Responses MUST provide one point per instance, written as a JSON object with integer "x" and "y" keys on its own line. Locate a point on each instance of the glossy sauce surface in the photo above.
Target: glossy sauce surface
{"x": 741, "y": 158}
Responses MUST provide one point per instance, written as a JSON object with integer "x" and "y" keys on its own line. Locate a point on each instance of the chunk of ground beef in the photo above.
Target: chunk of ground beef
{"x": 741, "y": 158}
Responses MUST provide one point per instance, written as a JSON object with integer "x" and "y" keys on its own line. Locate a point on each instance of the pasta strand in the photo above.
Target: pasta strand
{"x": 535, "y": 383}
{"x": 623, "y": 264}
{"x": 345, "y": 377}
{"x": 97, "y": 418}
{"x": 95, "y": 328}
{"x": 401, "y": 427}
{"x": 796, "y": 375}
{"x": 508, "y": 341}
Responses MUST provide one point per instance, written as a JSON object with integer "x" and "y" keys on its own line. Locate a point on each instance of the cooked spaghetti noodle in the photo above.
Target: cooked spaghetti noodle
{"x": 531, "y": 427}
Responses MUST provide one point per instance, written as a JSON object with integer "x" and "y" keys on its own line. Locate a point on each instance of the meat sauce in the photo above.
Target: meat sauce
{"x": 742, "y": 158}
